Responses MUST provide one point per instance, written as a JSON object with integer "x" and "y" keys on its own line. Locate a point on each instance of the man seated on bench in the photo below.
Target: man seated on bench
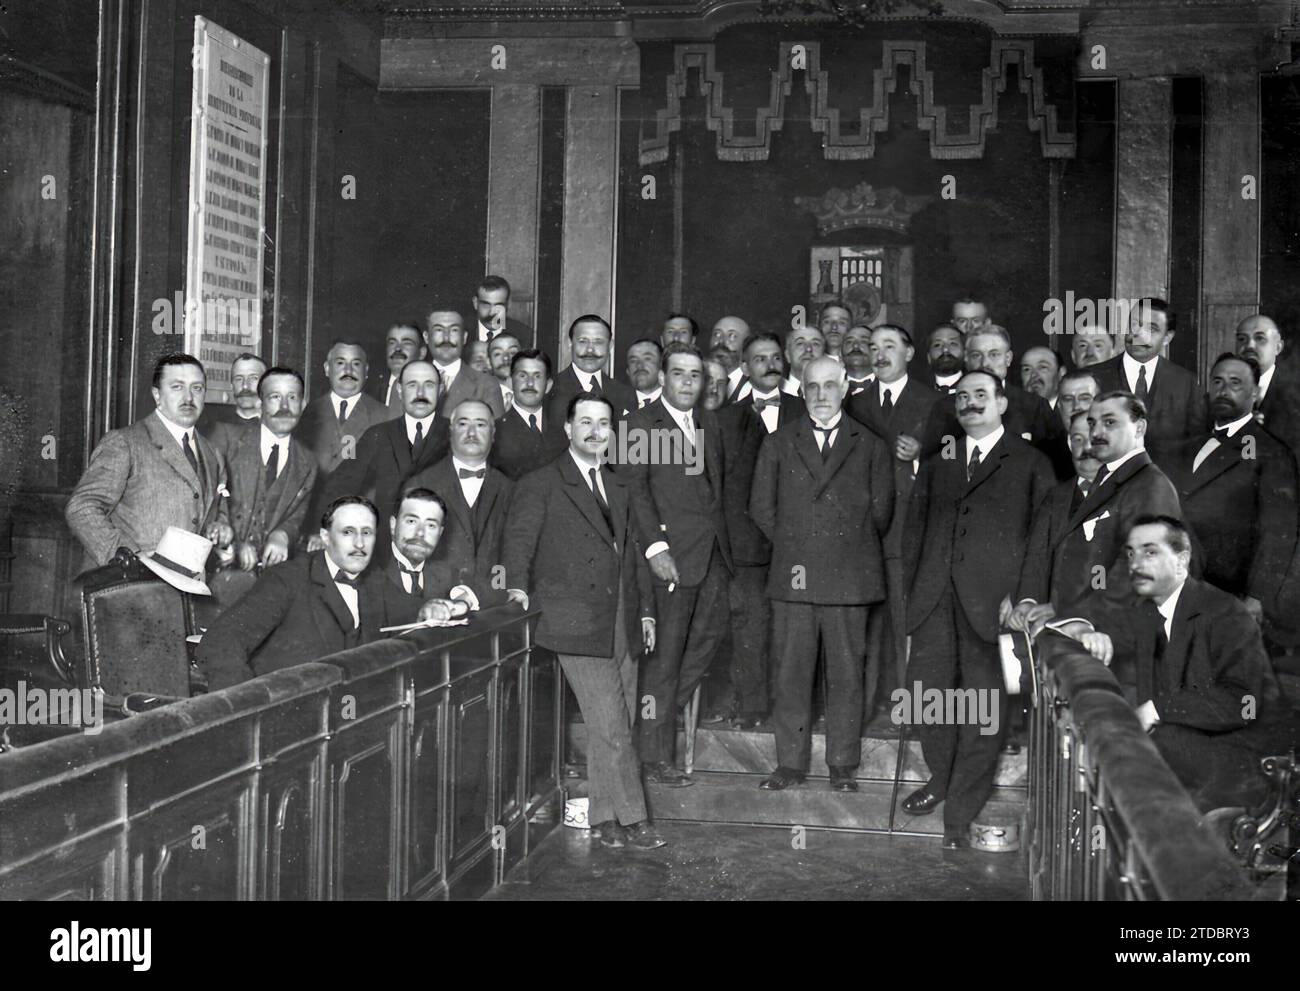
{"x": 415, "y": 585}
{"x": 306, "y": 608}
{"x": 1207, "y": 693}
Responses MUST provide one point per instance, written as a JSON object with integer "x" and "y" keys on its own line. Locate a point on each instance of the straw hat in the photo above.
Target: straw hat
{"x": 179, "y": 560}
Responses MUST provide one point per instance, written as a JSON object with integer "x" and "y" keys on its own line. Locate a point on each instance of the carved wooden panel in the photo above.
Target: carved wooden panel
{"x": 510, "y": 739}
{"x": 291, "y": 834}
{"x": 365, "y": 817}
{"x": 839, "y": 144}
{"x": 200, "y": 849}
{"x": 427, "y": 781}
{"x": 544, "y": 721}
{"x": 471, "y": 766}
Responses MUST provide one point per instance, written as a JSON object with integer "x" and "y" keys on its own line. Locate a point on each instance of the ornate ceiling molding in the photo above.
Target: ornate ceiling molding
{"x": 826, "y": 120}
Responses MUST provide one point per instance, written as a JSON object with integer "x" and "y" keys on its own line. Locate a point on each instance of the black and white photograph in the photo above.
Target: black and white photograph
{"x": 667, "y": 451}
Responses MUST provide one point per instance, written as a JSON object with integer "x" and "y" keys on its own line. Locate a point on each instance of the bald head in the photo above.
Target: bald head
{"x": 1258, "y": 337}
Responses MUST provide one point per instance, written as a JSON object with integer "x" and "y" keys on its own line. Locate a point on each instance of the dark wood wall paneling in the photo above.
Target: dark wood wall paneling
{"x": 1087, "y": 243}
{"x": 416, "y": 235}
{"x": 1279, "y": 288}
{"x": 1185, "y": 219}
{"x": 550, "y": 225}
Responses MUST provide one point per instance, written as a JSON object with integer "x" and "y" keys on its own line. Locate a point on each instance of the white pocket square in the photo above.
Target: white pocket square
{"x": 1090, "y": 526}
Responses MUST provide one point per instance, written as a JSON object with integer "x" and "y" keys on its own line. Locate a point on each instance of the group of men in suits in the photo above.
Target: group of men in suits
{"x": 833, "y": 498}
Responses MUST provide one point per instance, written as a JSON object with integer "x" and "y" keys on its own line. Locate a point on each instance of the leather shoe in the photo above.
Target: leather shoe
{"x": 782, "y": 778}
{"x": 842, "y": 779}
{"x": 643, "y": 836}
{"x": 955, "y": 840}
{"x": 747, "y": 721}
{"x": 664, "y": 773}
{"x": 921, "y": 802}
{"x": 610, "y": 834}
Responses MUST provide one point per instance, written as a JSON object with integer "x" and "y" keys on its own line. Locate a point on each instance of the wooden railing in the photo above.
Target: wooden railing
{"x": 1108, "y": 820}
{"x": 419, "y": 767}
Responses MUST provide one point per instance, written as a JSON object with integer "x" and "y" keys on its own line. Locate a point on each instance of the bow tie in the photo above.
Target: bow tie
{"x": 343, "y": 578}
{"x": 761, "y": 404}
{"x": 467, "y": 473}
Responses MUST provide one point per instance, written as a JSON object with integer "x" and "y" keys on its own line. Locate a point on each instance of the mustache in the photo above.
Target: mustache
{"x": 970, "y": 409}
{"x": 245, "y": 394}
{"x": 347, "y": 377}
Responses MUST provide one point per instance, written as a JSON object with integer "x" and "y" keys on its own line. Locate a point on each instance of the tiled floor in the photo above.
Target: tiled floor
{"x": 737, "y": 863}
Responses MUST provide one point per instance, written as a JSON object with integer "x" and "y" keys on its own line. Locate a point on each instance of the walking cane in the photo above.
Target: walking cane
{"x": 902, "y": 744}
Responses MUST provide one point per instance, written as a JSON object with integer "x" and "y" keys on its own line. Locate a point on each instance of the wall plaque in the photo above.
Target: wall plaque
{"x": 227, "y": 208}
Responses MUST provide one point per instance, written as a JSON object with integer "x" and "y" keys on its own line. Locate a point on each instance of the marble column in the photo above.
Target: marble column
{"x": 590, "y": 207}
{"x": 1230, "y": 220}
{"x": 514, "y": 166}
{"x": 1143, "y": 180}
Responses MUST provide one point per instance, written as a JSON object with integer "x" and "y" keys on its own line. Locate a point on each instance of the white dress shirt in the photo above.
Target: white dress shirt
{"x": 270, "y": 440}
{"x": 791, "y": 386}
{"x": 647, "y": 398}
{"x": 180, "y": 433}
{"x": 1213, "y": 444}
{"x": 241, "y": 415}
{"x": 892, "y": 389}
{"x": 471, "y": 487}
{"x": 946, "y": 382}
{"x": 448, "y": 373}
{"x": 985, "y": 444}
{"x": 408, "y": 580}
{"x": 771, "y": 415}
{"x": 487, "y": 333}
{"x": 411, "y": 421}
{"x": 388, "y": 391}
{"x": 1131, "y": 366}
{"x": 524, "y": 414}
{"x": 833, "y": 424}
{"x": 685, "y": 420}
{"x": 585, "y": 469}
{"x": 1113, "y": 466}
{"x": 585, "y": 380}
{"x": 1264, "y": 379}
{"x": 1166, "y": 610}
{"x": 352, "y": 401}
{"x": 859, "y": 385}
{"x": 507, "y": 394}
{"x": 347, "y": 591}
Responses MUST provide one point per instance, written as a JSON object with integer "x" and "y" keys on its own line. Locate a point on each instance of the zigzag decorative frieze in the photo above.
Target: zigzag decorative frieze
{"x": 873, "y": 119}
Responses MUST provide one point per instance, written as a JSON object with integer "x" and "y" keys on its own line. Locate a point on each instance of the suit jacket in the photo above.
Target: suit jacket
{"x": 471, "y": 539}
{"x": 1241, "y": 509}
{"x": 678, "y": 503}
{"x": 222, "y": 425}
{"x": 826, "y": 519}
{"x": 377, "y": 387}
{"x": 1281, "y": 407}
{"x": 253, "y": 521}
{"x": 319, "y": 428}
{"x": 742, "y": 433}
{"x": 1028, "y": 416}
{"x": 518, "y": 449}
{"x": 137, "y": 484}
{"x": 1063, "y": 565}
{"x": 294, "y": 614}
{"x": 560, "y": 550}
{"x": 1215, "y": 658}
{"x": 908, "y": 416}
{"x": 470, "y": 383}
{"x": 1175, "y": 404}
{"x": 566, "y": 386}
{"x": 439, "y": 577}
{"x": 384, "y": 463}
{"x": 972, "y": 537}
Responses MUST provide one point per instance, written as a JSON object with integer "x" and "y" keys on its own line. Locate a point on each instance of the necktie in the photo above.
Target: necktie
{"x": 1081, "y": 490}
{"x": 826, "y": 439}
{"x": 343, "y": 578}
{"x": 688, "y": 428}
{"x": 532, "y": 422}
{"x": 1102, "y": 472}
{"x": 189, "y": 453}
{"x": 887, "y": 403}
{"x": 343, "y": 411}
{"x": 973, "y": 465}
{"x": 1221, "y": 433}
{"x": 419, "y": 438}
{"x": 645, "y": 402}
{"x": 600, "y": 499}
{"x": 593, "y": 385}
{"x": 272, "y": 465}
{"x": 417, "y": 577}
{"x": 467, "y": 473}
{"x": 1142, "y": 391}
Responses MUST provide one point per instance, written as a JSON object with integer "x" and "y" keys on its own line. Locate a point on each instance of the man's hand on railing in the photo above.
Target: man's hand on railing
{"x": 1098, "y": 645}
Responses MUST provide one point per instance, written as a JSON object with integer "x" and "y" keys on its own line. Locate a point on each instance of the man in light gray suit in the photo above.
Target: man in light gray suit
{"x": 445, "y": 336}
{"x": 156, "y": 473}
